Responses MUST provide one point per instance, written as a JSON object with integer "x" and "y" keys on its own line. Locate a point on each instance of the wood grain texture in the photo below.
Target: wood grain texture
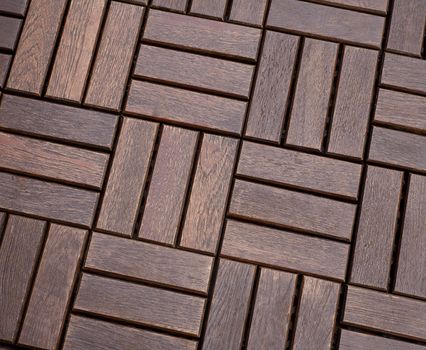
{"x": 84, "y": 333}
{"x": 200, "y": 34}
{"x": 269, "y": 101}
{"x": 149, "y": 262}
{"x": 186, "y": 107}
{"x": 190, "y": 70}
{"x": 398, "y": 148}
{"x": 3, "y": 217}
{"x": 47, "y": 200}
{"x": 75, "y": 51}
{"x": 16, "y": 7}
{"x": 114, "y": 57}
{"x": 376, "y": 230}
{"x": 411, "y": 275}
{"x": 248, "y": 11}
{"x": 229, "y": 307}
{"x": 292, "y": 209}
{"x": 326, "y": 22}
{"x": 127, "y": 176}
{"x": 5, "y": 60}
{"x": 353, "y": 102}
{"x": 163, "y": 209}
{"x": 317, "y": 314}
{"x": 211, "y": 8}
{"x": 53, "y": 286}
{"x": 276, "y": 248}
{"x": 9, "y": 30}
{"x": 385, "y": 312}
{"x": 19, "y": 252}
{"x": 207, "y": 203}
{"x": 57, "y": 122}
{"x": 379, "y": 6}
{"x": 301, "y": 170}
{"x": 272, "y": 310}
{"x": 140, "y": 304}
{"x": 178, "y": 5}
{"x": 310, "y": 105}
{"x": 36, "y": 45}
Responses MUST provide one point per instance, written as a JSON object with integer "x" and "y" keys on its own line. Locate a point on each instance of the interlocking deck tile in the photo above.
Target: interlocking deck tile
{"x": 248, "y": 11}
{"x": 16, "y": 7}
{"x": 379, "y": 6}
{"x": 212, "y": 8}
{"x": 9, "y": 30}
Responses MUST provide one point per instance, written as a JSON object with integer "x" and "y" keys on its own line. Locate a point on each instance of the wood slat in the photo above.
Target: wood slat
{"x": 178, "y": 5}
{"x": 292, "y": 209}
{"x": 270, "y": 247}
{"x": 19, "y": 252}
{"x": 2, "y": 224}
{"x": 163, "y": 209}
{"x": 207, "y": 203}
{"x": 140, "y": 304}
{"x": 248, "y": 11}
{"x": 212, "y": 8}
{"x": 31, "y": 61}
{"x": 114, "y": 57}
{"x": 9, "y": 30}
{"x": 353, "y": 101}
{"x": 379, "y": 6}
{"x": 16, "y": 7}
{"x": 269, "y": 101}
{"x": 5, "y": 60}
{"x": 376, "y": 230}
{"x": 56, "y": 275}
{"x": 229, "y": 307}
{"x": 127, "y": 176}
{"x": 76, "y": 47}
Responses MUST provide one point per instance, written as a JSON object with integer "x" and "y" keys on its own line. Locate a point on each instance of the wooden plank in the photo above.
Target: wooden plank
{"x": 16, "y": 7}
{"x": 212, "y": 8}
{"x": 269, "y": 101}
{"x": 55, "y": 277}
{"x": 127, "y": 177}
{"x": 412, "y": 259}
{"x": 190, "y": 70}
{"x": 248, "y": 11}
{"x": 272, "y": 310}
{"x": 114, "y": 57}
{"x": 205, "y": 212}
{"x": 5, "y": 60}
{"x": 149, "y": 262}
{"x": 9, "y": 30}
{"x": 398, "y": 148}
{"x": 2, "y": 224}
{"x": 31, "y": 61}
{"x": 310, "y": 105}
{"x": 76, "y": 47}
{"x": 140, "y": 304}
{"x": 317, "y": 314}
{"x": 281, "y": 249}
{"x": 401, "y": 110}
{"x": 18, "y": 257}
{"x": 290, "y": 209}
{"x": 178, "y": 5}
{"x": 47, "y": 200}
{"x": 229, "y": 307}
{"x": 95, "y": 334}
{"x": 353, "y": 101}
{"x": 178, "y": 31}
{"x": 386, "y": 313}
{"x": 51, "y": 160}
{"x": 57, "y": 122}
{"x": 376, "y": 230}
{"x": 379, "y": 6}
{"x": 163, "y": 209}
{"x": 301, "y": 170}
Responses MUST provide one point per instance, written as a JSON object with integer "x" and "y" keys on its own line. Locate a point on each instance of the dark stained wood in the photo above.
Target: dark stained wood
{"x": 376, "y": 230}
{"x": 201, "y": 34}
{"x": 36, "y": 44}
{"x": 178, "y": 5}
{"x": 149, "y": 262}
{"x": 212, "y": 8}
{"x": 354, "y": 96}
{"x": 207, "y": 204}
{"x": 173, "y": 164}
{"x": 229, "y": 307}
{"x": 16, "y": 7}
{"x": 317, "y": 314}
{"x": 248, "y": 11}
{"x": 268, "y": 105}
{"x": 385, "y": 312}
{"x": 84, "y": 333}
{"x": 9, "y": 29}
{"x": 5, "y": 60}
{"x": 53, "y": 286}
{"x": 114, "y": 57}
{"x": 310, "y": 105}
{"x": 140, "y": 304}
{"x": 281, "y": 166}
{"x": 190, "y": 70}
{"x": 18, "y": 256}
{"x": 2, "y": 224}
{"x": 75, "y": 50}
{"x": 292, "y": 209}
{"x": 379, "y": 6}
{"x": 270, "y": 247}
{"x": 57, "y": 122}
{"x": 127, "y": 177}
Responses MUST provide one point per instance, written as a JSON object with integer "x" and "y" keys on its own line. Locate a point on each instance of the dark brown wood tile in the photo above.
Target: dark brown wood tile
{"x": 5, "y": 60}
{"x": 9, "y": 29}
{"x": 16, "y": 7}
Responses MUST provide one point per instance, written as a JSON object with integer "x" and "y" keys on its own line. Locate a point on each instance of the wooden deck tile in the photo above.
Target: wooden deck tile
{"x": 16, "y": 7}
{"x": 9, "y": 29}
{"x": 211, "y": 8}
{"x": 178, "y": 5}
{"x": 5, "y": 60}
{"x": 248, "y": 11}
{"x": 379, "y": 6}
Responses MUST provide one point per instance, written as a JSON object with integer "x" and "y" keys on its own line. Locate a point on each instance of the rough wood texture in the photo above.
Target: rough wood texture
{"x": 5, "y": 60}
{"x": 178, "y": 5}
{"x": 211, "y": 8}
{"x": 16, "y": 7}
{"x": 248, "y": 11}
{"x": 379, "y": 6}
{"x": 9, "y": 29}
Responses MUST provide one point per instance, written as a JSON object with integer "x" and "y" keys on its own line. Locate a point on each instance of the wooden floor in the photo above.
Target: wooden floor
{"x": 213, "y": 174}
